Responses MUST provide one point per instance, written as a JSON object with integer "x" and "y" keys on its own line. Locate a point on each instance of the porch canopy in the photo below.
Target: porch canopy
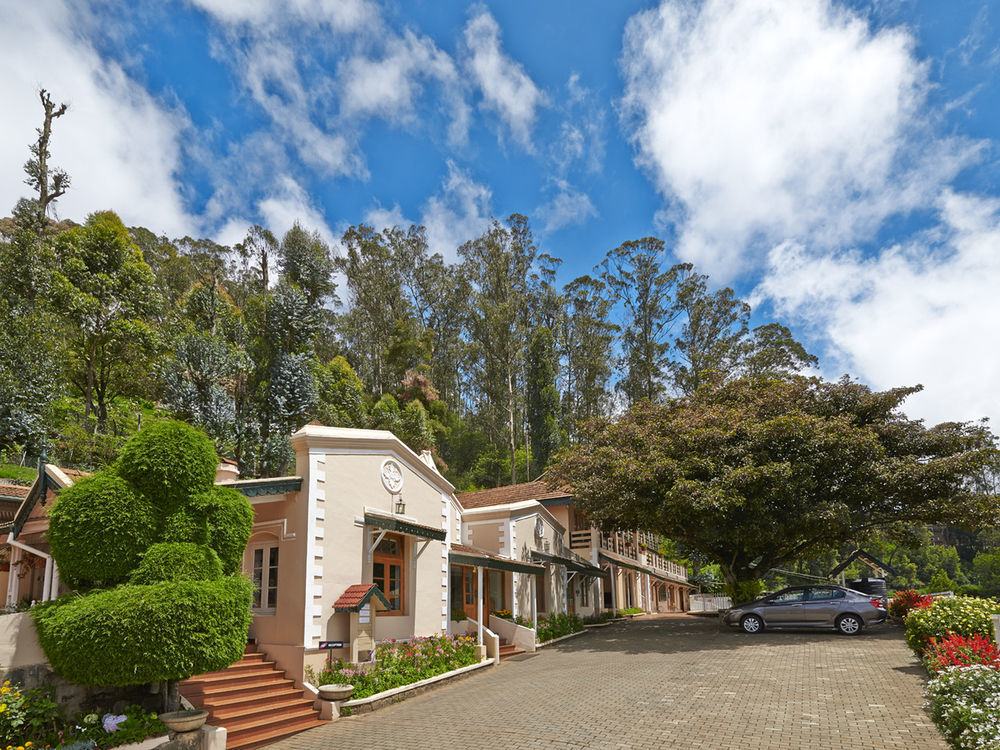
{"x": 578, "y": 565}
{"x": 399, "y": 525}
{"x": 640, "y": 569}
{"x": 462, "y": 555}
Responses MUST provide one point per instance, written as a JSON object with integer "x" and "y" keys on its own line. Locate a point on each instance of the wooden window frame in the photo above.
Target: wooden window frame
{"x": 387, "y": 560}
{"x": 265, "y": 548}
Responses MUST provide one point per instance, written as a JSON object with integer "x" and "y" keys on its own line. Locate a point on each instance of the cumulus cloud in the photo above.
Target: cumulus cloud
{"x": 762, "y": 121}
{"x": 381, "y": 217}
{"x": 121, "y": 146}
{"x": 458, "y": 212}
{"x": 569, "y": 206}
{"x": 505, "y": 87}
{"x": 339, "y": 15}
{"x": 924, "y": 311}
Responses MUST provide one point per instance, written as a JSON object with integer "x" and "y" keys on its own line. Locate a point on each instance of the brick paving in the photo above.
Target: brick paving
{"x": 667, "y": 681}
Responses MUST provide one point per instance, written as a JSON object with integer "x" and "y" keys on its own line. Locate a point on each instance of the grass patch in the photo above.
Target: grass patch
{"x": 25, "y": 474}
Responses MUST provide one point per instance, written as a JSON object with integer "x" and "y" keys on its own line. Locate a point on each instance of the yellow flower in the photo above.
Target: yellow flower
{"x": 3, "y": 707}
{"x": 6, "y": 683}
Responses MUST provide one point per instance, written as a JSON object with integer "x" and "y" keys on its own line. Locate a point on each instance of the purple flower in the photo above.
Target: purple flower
{"x": 111, "y": 722}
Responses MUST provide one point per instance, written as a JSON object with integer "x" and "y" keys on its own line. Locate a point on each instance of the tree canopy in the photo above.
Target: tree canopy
{"x": 758, "y": 472}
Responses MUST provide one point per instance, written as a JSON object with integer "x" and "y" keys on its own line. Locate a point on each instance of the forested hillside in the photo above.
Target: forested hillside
{"x": 490, "y": 362}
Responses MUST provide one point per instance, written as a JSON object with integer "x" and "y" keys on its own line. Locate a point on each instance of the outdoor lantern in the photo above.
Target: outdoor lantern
{"x": 400, "y": 505}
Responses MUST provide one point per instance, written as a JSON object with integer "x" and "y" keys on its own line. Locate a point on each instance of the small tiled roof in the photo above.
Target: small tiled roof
{"x": 514, "y": 493}
{"x": 357, "y": 595}
{"x": 461, "y": 554}
{"x": 14, "y": 490}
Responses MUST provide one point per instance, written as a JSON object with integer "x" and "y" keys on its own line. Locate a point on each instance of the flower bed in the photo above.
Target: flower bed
{"x": 960, "y": 651}
{"x": 963, "y": 615}
{"x": 31, "y": 719}
{"x": 632, "y": 611}
{"x": 556, "y": 626}
{"x": 600, "y": 617}
{"x": 505, "y": 614}
{"x": 904, "y": 601}
{"x": 965, "y": 703}
{"x": 400, "y": 663}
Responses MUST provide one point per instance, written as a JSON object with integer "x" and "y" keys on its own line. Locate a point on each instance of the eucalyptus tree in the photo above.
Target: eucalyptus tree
{"x": 46, "y": 181}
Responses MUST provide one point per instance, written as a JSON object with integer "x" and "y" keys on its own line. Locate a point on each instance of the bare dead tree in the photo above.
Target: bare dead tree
{"x": 49, "y": 183}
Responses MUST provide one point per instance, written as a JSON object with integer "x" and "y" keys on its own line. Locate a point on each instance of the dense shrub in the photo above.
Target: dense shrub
{"x": 400, "y": 663}
{"x": 177, "y": 562}
{"x": 962, "y": 615}
{"x": 960, "y": 651}
{"x": 189, "y": 523}
{"x": 230, "y": 520}
{"x": 137, "y": 634}
{"x": 98, "y": 529}
{"x": 168, "y": 462}
{"x": 556, "y": 626}
{"x": 903, "y": 601}
{"x": 964, "y": 702}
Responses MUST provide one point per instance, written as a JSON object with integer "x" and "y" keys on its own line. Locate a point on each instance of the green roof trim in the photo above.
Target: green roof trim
{"x": 405, "y": 527}
{"x": 580, "y": 566}
{"x": 492, "y": 563}
{"x": 265, "y": 487}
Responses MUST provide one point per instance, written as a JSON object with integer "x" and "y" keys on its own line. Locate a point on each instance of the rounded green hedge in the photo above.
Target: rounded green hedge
{"x": 132, "y": 635}
{"x": 230, "y": 521}
{"x": 177, "y": 562}
{"x": 98, "y": 529}
{"x": 189, "y": 523}
{"x": 963, "y": 615}
{"x": 169, "y": 461}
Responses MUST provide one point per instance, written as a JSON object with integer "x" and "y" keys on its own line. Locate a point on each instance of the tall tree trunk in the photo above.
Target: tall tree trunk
{"x": 511, "y": 425}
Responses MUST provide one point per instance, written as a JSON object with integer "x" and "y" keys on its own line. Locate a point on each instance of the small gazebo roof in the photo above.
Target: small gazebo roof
{"x": 358, "y": 595}
{"x": 867, "y": 558}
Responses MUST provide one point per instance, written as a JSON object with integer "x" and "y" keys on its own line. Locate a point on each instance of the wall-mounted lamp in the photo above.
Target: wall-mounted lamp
{"x": 400, "y": 505}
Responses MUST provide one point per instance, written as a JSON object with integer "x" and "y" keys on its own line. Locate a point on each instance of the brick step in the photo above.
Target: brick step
{"x": 236, "y": 700}
{"x": 228, "y": 674}
{"x": 243, "y": 666}
{"x": 250, "y": 739}
{"x": 259, "y": 707}
{"x": 251, "y": 656}
{"x": 259, "y": 686}
{"x": 271, "y": 719}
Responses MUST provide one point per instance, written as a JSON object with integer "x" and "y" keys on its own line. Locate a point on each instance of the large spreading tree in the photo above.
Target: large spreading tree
{"x": 758, "y": 472}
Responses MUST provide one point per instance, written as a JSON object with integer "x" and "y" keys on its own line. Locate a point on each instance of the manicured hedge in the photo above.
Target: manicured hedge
{"x": 189, "y": 523}
{"x": 168, "y": 462}
{"x": 98, "y": 529}
{"x": 139, "y": 634}
{"x": 177, "y": 562}
{"x": 963, "y": 615}
{"x": 230, "y": 521}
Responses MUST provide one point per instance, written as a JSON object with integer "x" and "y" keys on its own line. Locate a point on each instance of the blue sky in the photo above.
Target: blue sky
{"x": 835, "y": 162}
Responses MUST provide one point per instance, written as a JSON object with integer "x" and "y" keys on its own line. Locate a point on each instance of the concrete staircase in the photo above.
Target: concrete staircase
{"x": 253, "y": 700}
{"x": 508, "y": 650}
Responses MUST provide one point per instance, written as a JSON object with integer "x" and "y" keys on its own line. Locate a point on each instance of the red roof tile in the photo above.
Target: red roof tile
{"x": 14, "y": 490}
{"x": 514, "y": 493}
{"x": 356, "y": 595}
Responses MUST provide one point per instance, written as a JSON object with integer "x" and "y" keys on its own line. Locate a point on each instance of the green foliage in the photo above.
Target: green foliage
{"x": 964, "y": 704}
{"x": 186, "y": 524}
{"x": 138, "y": 634}
{"x": 168, "y": 462}
{"x": 175, "y": 561}
{"x": 757, "y": 473}
{"x": 543, "y": 400}
{"x": 940, "y": 583}
{"x": 98, "y": 529}
{"x": 556, "y": 626}
{"x": 230, "y": 520}
{"x": 986, "y": 566}
{"x": 962, "y": 615}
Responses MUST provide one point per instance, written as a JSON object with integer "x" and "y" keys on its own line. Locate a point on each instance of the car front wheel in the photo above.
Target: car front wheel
{"x": 752, "y": 624}
{"x": 849, "y": 624}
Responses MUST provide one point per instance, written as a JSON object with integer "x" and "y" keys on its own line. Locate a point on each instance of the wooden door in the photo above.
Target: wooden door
{"x": 469, "y": 592}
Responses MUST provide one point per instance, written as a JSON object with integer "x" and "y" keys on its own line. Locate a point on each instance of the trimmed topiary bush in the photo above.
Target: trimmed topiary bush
{"x": 963, "y": 615}
{"x": 139, "y": 634}
{"x": 230, "y": 520}
{"x": 99, "y": 528}
{"x": 177, "y": 562}
{"x": 189, "y": 523}
{"x": 168, "y": 462}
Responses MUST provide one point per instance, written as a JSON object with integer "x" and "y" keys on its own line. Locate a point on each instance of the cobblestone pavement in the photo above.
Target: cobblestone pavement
{"x": 675, "y": 681}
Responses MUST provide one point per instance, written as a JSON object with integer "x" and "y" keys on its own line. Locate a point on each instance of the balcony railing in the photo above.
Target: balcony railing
{"x": 624, "y": 545}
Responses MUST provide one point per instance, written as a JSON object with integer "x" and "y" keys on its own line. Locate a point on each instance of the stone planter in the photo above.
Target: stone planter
{"x": 335, "y": 692}
{"x": 184, "y": 721}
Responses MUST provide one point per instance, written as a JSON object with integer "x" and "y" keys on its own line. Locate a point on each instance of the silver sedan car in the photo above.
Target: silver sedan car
{"x": 845, "y": 610}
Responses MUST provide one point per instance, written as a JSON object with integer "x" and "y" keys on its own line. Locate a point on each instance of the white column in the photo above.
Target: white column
{"x": 534, "y": 603}
{"x": 13, "y": 582}
{"x": 614, "y": 589}
{"x": 479, "y": 602}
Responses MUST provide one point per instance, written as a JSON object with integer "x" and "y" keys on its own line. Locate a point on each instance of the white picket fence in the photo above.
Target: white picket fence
{"x": 710, "y": 603}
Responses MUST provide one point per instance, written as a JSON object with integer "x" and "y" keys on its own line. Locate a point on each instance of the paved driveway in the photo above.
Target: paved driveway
{"x": 667, "y": 681}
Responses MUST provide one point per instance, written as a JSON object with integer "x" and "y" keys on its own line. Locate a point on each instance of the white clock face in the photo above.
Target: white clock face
{"x": 392, "y": 476}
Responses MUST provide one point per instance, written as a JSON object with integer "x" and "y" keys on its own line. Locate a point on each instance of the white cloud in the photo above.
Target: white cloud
{"x": 121, "y": 147}
{"x": 506, "y": 88}
{"x": 339, "y": 15}
{"x": 289, "y": 203}
{"x": 924, "y": 312}
{"x": 381, "y": 217}
{"x": 569, "y": 206}
{"x": 457, "y": 213}
{"x": 762, "y": 120}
